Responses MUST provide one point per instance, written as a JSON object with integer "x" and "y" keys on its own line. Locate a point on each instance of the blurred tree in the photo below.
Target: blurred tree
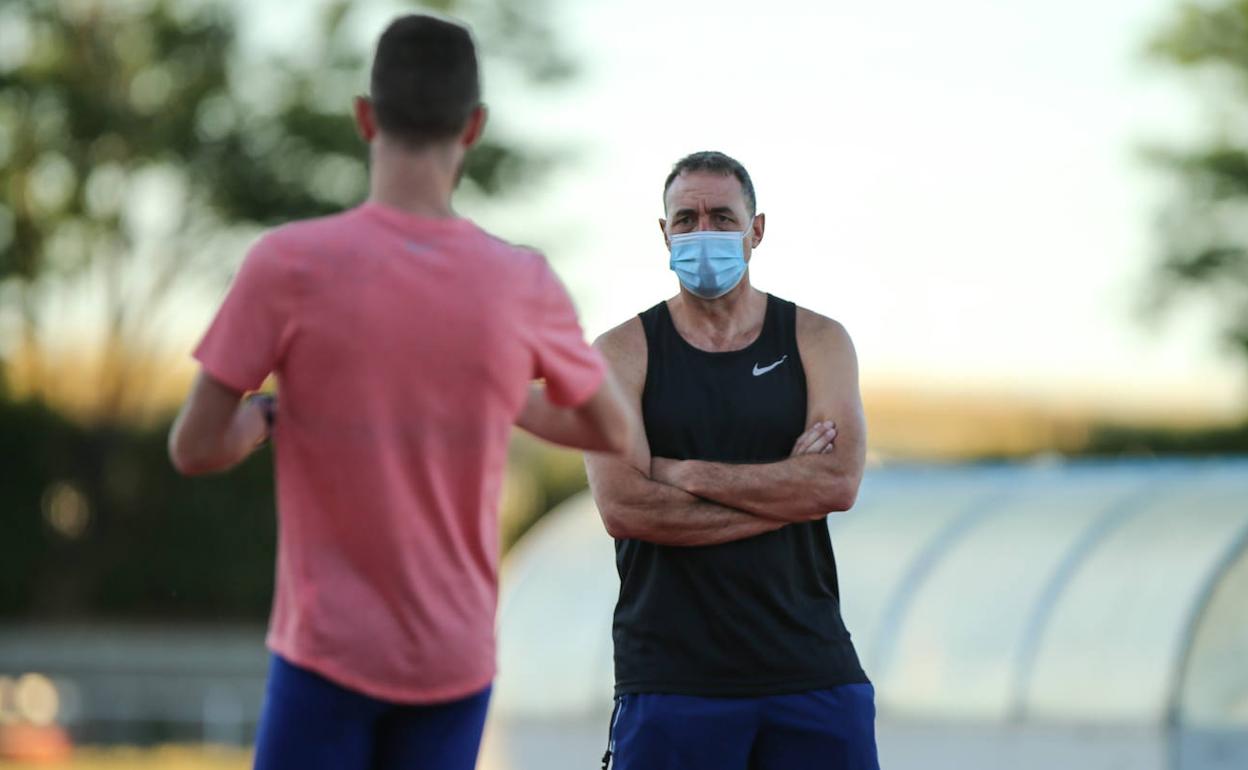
{"x": 139, "y": 141}
{"x": 142, "y": 142}
{"x": 1207, "y": 232}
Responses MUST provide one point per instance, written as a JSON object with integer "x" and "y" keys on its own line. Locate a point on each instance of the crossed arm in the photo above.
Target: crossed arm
{"x": 806, "y": 486}
{"x": 692, "y": 502}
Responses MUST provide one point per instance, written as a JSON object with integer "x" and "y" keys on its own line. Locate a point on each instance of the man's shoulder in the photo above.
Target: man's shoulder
{"x": 819, "y": 327}
{"x": 514, "y": 265}
{"x": 822, "y": 338}
{"x": 626, "y": 340}
{"x": 522, "y": 266}
{"x": 313, "y": 227}
{"x": 289, "y": 242}
{"x": 527, "y": 255}
{"x": 624, "y": 346}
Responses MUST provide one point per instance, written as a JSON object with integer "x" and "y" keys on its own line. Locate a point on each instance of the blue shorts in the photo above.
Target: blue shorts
{"x": 309, "y": 723}
{"x": 818, "y": 730}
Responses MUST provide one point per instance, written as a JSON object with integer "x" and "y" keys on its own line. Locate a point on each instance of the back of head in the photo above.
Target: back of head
{"x": 424, "y": 83}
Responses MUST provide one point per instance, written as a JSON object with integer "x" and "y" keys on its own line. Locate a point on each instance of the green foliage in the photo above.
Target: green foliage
{"x": 1208, "y": 33}
{"x": 1117, "y": 441}
{"x": 109, "y": 110}
{"x": 105, "y": 89}
{"x": 1206, "y": 249}
{"x": 155, "y": 544}
{"x": 97, "y": 99}
{"x": 150, "y": 541}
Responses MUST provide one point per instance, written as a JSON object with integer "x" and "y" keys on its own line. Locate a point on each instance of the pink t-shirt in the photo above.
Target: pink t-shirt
{"x": 403, "y": 348}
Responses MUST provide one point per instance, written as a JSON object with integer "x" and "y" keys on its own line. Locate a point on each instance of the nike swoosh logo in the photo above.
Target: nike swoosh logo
{"x": 759, "y": 370}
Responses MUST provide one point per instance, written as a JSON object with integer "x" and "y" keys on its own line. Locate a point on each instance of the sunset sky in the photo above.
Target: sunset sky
{"x": 960, "y": 183}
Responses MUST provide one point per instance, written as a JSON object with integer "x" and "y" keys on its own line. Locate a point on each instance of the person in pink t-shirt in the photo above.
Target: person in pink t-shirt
{"x": 406, "y": 342}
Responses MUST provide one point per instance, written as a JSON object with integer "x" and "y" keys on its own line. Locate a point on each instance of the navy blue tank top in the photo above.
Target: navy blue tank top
{"x": 759, "y": 616}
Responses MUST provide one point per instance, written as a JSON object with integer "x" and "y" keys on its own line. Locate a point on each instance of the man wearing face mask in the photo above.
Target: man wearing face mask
{"x": 730, "y": 651}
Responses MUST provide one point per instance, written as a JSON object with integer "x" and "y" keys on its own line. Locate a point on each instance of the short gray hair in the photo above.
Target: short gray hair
{"x": 718, "y": 163}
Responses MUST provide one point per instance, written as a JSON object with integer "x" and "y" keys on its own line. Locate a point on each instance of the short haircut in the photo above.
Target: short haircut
{"x": 424, "y": 83}
{"x": 717, "y": 163}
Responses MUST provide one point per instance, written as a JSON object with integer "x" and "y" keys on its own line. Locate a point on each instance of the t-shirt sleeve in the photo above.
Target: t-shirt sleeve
{"x": 573, "y": 370}
{"x": 244, "y": 342}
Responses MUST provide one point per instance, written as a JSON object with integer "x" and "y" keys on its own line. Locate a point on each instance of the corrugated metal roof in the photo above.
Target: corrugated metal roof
{"x": 1060, "y": 592}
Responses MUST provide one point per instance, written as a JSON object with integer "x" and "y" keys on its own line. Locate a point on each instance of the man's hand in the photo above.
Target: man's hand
{"x": 264, "y": 404}
{"x": 818, "y": 439}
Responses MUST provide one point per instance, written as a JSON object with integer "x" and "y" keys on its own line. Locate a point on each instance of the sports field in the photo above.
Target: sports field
{"x": 160, "y": 758}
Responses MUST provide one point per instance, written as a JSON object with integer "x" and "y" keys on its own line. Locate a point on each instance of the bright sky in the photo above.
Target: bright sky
{"x": 959, "y": 183}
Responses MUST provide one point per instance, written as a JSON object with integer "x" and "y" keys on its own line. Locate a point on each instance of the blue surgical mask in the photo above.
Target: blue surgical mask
{"x": 709, "y": 263}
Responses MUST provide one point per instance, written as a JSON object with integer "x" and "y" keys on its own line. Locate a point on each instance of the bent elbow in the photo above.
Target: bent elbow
{"x": 615, "y": 528}
{"x": 177, "y": 454}
{"x": 185, "y": 460}
{"x": 614, "y": 523}
{"x": 187, "y": 465}
{"x": 841, "y": 497}
{"x": 844, "y": 502}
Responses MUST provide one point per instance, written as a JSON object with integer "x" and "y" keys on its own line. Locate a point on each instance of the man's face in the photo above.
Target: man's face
{"x": 705, "y": 200}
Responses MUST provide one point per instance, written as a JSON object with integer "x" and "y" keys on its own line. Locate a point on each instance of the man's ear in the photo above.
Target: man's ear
{"x": 365, "y": 119}
{"x": 759, "y": 225}
{"x": 474, "y": 128}
{"x": 663, "y": 227}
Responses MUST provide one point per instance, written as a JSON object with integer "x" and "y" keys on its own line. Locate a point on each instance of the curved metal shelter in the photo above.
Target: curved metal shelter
{"x": 1083, "y": 613}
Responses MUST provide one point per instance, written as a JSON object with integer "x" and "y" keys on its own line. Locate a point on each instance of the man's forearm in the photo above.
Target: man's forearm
{"x": 196, "y": 450}
{"x": 800, "y": 488}
{"x": 551, "y": 423}
{"x": 601, "y": 424}
{"x": 642, "y": 509}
